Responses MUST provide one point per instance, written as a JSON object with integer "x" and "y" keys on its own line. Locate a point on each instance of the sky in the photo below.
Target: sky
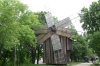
{"x": 61, "y": 8}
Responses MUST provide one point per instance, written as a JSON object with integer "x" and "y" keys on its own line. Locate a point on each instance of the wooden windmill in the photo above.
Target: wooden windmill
{"x": 56, "y": 40}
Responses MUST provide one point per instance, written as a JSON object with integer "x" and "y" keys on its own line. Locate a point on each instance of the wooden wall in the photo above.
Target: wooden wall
{"x": 48, "y": 50}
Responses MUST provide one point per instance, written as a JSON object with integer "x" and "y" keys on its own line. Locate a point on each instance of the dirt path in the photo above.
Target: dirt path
{"x": 83, "y": 64}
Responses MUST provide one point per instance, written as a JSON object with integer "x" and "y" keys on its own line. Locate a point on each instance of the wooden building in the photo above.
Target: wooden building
{"x": 48, "y": 50}
{"x": 56, "y": 40}
{"x": 65, "y": 41}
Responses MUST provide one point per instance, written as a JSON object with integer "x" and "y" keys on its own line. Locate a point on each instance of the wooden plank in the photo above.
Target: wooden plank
{"x": 64, "y": 30}
{"x": 51, "y": 53}
{"x": 44, "y": 55}
{"x": 55, "y": 42}
{"x": 63, "y": 34}
{"x": 42, "y": 38}
{"x": 40, "y": 30}
{"x": 67, "y": 44}
{"x": 70, "y": 43}
{"x": 48, "y": 44}
{"x": 49, "y": 19}
{"x": 62, "y": 44}
{"x": 65, "y": 51}
{"x": 47, "y": 60}
{"x": 68, "y": 56}
{"x": 63, "y": 23}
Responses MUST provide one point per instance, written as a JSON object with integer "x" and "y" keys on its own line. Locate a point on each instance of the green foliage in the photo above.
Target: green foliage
{"x": 95, "y": 42}
{"x": 41, "y": 17}
{"x": 90, "y": 17}
{"x": 80, "y": 46}
{"x": 16, "y": 23}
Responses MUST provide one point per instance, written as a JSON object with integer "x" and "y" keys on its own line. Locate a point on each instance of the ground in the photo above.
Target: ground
{"x": 80, "y": 64}
{"x": 83, "y": 64}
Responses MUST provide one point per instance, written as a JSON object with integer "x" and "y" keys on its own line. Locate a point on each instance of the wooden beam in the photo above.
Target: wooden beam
{"x": 64, "y": 32}
{"x": 40, "y": 30}
{"x": 63, "y": 23}
{"x": 41, "y": 38}
{"x": 64, "y": 29}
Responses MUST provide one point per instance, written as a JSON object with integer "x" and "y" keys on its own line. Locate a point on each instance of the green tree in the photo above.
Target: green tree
{"x": 95, "y": 43}
{"x": 79, "y": 43}
{"x": 90, "y": 17}
{"x": 16, "y": 23}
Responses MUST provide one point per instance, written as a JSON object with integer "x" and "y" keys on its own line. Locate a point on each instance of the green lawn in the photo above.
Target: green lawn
{"x": 73, "y": 63}
{"x": 70, "y": 64}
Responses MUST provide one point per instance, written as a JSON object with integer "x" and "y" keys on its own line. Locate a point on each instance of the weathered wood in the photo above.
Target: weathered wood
{"x": 52, "y": 43}
{"x": 41, "y": 38}
{"x": 63, "y": 34}
{"x": 63, "y": 23}
{"x": 68, "y": 56}
{"x": 40, "y": 30}
{"x": 55, "y": 42}
{"x": 66, "y": 30}
{"x": 65, "y": 49}
{"x": 44, "y": 55}
{"x": 69, "y": 44}
{"x": 51, "y": 52}
{"x": 48, "y": 50}
{"x": 49, "y": 19}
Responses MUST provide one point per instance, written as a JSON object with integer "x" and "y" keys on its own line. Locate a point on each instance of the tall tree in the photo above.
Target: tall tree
{"x": 90, "y": 17}
{"x": 16, "y": 22}
{"x": 79, "y": 43}
{"x": 95, "y": 43}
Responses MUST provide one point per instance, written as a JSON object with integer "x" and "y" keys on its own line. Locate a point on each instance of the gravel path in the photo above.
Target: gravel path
{"x": 83, "y": 64}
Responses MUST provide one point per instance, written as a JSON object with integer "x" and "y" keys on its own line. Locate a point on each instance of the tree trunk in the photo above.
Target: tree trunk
{"x": 33, "y": 54}
{"x": 38, "y": 54}
{"x": 75, "y": 59}
{"x": 4, "y": 58}
{"x": 1, "y": 49}
{"x": 15, "y": 56}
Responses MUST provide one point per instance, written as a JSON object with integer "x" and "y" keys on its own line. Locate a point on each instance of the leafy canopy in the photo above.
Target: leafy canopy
{"x": 16, "y": 22}
{"x": 90, "y": 17}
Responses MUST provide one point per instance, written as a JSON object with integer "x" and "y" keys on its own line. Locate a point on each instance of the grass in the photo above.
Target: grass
{"x": 70, "y": 64}
{"x": 73, "y": 63}
{"x": 98, "y": 62}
